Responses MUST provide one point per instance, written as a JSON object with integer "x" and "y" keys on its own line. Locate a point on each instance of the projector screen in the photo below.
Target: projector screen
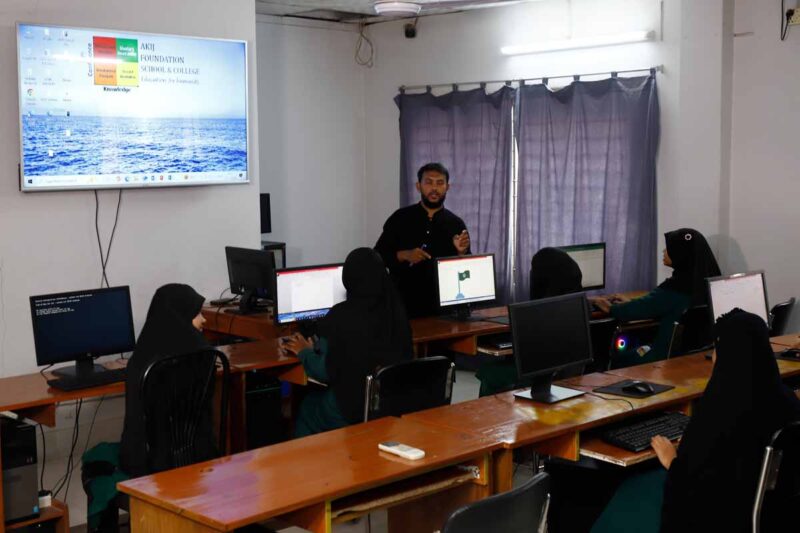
{"x": 109, "y": 109}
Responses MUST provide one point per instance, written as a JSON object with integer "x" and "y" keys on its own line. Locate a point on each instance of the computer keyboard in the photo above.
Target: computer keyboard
{"x": 636, "y": 436}
{"x": 500, "y": 341}
{"x": 95, "y": 379}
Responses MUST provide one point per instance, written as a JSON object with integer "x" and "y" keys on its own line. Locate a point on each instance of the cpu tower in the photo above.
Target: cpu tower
{"x": 20, "y": 480}
{"x": 265, "y": 424}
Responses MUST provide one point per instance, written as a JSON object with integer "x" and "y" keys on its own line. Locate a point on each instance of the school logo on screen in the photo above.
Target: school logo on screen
{"x": 116, "y": 61}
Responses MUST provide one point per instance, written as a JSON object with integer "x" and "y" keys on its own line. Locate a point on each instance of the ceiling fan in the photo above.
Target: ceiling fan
{"x": 419, "y": 7}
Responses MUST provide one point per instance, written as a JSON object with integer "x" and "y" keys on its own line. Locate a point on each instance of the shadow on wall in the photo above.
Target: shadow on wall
{"x": 728, "y": 253}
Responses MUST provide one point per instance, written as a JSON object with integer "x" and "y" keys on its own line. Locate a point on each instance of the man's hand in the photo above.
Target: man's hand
{"x": 412, "y": 257}
{"x": 461, "y": 242}
{"x": 664, "y": 449}
{"x": 603, "y": 304}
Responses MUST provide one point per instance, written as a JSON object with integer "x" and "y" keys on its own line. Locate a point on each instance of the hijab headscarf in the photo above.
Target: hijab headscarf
{"x": 367, "y": 331}
{"x": 692, "y": 262}
{"x": 711, "y": 484}
{"x": 553, "y": 273}
{"x": 167, "y": 331}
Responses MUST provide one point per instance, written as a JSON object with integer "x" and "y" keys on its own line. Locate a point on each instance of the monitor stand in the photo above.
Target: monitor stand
{"x": 463, "y": 313}
{"x": 545, "y": 392}
{"x": 83, "y": 367}
{"x": 247, "y": 304}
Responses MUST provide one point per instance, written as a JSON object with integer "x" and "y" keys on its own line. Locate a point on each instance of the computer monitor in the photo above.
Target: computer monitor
{"x": 251, "y": 274}
{"x": 747, "y": 291}
{"x": 591, "y": 259}
{"x": 464, "y": 280}
{"x": 308, "y": 293}
{"x": 79, "y": 326}
{"x": 550, "y": 334}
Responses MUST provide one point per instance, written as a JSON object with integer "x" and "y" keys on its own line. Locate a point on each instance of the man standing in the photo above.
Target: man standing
{"x": 414, "y": 235}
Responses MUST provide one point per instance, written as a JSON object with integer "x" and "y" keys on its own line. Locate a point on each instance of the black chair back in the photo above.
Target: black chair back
{"x": 177, "y": 394}
{"x": 778, "y": 490}
{"x": 520, "y": 510}
{"x": 409, "y": 386}
{"x": 693, "y": 333}
{"x": 779, "y": 317}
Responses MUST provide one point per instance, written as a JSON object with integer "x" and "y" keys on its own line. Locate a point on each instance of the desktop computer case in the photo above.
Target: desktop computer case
{"x": 20, "y": 476}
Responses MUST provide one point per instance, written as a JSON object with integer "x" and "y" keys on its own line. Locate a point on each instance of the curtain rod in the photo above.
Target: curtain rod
{"x": 521, "y": 81}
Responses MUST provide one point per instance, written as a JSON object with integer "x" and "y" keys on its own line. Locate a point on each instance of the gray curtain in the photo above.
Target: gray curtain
{"x": 470, "y": 133}
{"x": 587, "y": 173}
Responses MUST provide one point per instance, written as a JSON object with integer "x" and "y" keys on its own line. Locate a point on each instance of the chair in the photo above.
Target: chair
{"x": 778, "y": 490}
{"x": 409, "y": 386}
{"x": 779, "y": 317}
{"x": 693, "y": 333}
{"x": 177, "y": 392}
{"x": 520, "y": 510}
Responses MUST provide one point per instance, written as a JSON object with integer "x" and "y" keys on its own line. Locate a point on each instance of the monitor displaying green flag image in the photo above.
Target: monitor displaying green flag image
{"x": 465, "y": 279}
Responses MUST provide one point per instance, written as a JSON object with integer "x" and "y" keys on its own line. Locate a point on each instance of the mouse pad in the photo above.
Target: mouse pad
{"x": 616, "y": 388}
{"x": 789, "y": 354}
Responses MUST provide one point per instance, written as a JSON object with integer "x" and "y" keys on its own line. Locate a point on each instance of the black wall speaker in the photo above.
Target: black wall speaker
{"x": 266, "y": 219}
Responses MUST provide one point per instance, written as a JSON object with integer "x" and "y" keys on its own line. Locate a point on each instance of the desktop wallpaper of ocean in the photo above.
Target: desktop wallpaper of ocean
{"x": 64, "y": 146}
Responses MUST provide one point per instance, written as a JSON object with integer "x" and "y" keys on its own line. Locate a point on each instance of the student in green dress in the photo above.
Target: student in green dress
{"x": 553, "y": 273}
{"x": 688, "y": 254}
{"x": 367, "y": 331}
{"x": 709, "y": 482}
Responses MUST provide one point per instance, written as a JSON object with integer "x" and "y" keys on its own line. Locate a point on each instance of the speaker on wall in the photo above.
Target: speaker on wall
{"x": 266, "y": 219}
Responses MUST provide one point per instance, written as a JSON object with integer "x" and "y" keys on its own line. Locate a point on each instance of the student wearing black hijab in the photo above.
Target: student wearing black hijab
{"x": 687, "y": 252}
{"x": 553, "y": 273}
{"x": 367, "y": 331}
{"x": 173, "y": 327}
{"x": 711, "y": 479}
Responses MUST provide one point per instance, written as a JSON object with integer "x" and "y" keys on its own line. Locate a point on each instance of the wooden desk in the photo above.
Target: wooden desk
{"x": 31, "y": 397}
{"x": 318, "y": 480}
{"x": 786, "y": 341}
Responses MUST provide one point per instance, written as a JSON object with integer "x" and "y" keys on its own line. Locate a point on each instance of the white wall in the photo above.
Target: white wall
{"x": 765, "y": 157}
{"x": 311, "y": 107}
{"x": 47, "y": 240}
{"x": 466, "y": 47}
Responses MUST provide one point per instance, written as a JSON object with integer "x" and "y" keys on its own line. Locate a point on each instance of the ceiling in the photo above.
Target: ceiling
{"x": 362, "y": 10}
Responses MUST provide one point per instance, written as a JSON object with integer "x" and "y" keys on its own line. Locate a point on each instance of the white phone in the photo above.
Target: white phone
{"x": 402, "y": 450}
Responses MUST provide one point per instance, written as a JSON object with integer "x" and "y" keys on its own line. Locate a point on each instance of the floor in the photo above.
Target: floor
{"x": 465, "y": 388}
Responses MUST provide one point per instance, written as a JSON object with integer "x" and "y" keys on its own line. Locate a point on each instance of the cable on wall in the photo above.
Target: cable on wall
{"x": 364, "y": 61}
{"x": 786, "y": 16}
{"x": 105, "y": 255}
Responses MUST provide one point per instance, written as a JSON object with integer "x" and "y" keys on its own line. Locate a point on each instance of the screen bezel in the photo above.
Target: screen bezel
{"x": 513, "y": 318}
{"x": 439, "y": 261}
{"x": 575, "y": 247}
{"x": 735, "y": 276}
{"x": 279, "y": 271}
{"x": 80, "y": 355}
{"x": 234, "y": 252}
{"x": 175, "y": 184}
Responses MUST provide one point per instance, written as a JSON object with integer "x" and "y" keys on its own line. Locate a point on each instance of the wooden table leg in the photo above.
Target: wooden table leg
{"x": 502, "y": 470}
{"x": 315, "y": 518}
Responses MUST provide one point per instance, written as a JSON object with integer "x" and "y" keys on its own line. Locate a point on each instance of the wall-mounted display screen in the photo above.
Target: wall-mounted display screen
{"x": 110, "y": 109}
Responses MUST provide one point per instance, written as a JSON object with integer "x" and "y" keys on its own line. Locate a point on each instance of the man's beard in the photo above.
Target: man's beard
{"x": 433, "y": 205}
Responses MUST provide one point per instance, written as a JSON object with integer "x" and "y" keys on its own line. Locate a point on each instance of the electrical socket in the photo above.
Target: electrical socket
{"x": 795, "y": 18}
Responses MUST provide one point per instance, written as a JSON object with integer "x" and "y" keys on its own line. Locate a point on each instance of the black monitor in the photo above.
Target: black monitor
{"x": 591, "y": 259}
{"x": 308, "y": 293}
{"x": 79, "y": 326}
{"x": 464, "y": 280}
{"x": 252, "y": 275}
{"x": 747, "y": 291}
{"x": 550, "y": 334}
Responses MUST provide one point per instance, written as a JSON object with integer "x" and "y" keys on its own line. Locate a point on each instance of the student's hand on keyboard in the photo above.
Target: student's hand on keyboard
{"x": 664, "y": 449}
{"x": 601, "y": 303}
{"x": 294, "y": 344}
{"x": 616, "y": 299}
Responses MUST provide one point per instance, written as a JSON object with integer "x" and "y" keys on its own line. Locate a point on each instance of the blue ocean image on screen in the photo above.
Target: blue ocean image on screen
{"x": 61, "y": 145}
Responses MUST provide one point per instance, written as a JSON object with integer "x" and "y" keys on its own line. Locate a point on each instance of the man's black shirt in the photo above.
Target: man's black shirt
{"x": 409, "y": 228}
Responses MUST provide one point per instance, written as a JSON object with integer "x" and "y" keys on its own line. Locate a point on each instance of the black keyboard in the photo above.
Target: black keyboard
{"x": 94, "y": 379}
{"x": 499, "y": 341}
{"x": 636, "y": 436}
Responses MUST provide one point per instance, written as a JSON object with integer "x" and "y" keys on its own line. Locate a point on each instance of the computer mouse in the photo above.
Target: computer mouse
{"x": 639, "y": 387}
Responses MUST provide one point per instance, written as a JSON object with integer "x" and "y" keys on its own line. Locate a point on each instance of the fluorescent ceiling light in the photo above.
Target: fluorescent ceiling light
{"x": 397, "y": 8}
{"x": 573, "y": 44}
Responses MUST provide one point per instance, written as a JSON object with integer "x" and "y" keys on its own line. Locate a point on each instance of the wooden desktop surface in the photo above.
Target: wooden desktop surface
{"x": 786, "y": 341}
{"x": 302, "y": 476}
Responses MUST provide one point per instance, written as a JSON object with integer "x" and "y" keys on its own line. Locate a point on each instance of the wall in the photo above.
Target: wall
{"x": 311, "y": 107}
{"x": 765, "y": 155}
{"x": 47, "y": 242}
{"x": 466, "y": 47}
